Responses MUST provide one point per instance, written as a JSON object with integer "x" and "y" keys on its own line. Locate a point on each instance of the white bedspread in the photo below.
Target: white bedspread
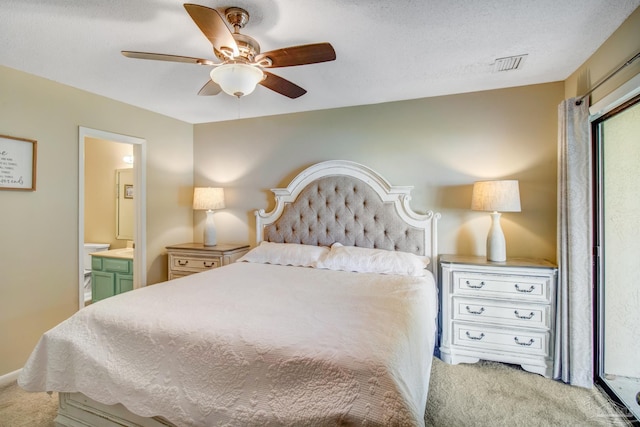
{"x": 252, "y": 344}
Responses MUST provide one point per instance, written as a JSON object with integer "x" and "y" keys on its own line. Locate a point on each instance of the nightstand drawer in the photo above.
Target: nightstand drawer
{"x": 495, "y": 339}
{"x": 534, "y": 288}
{"x": 190, "y": 258}
{"x": 501, "y": 312}
{"x": 193, "y": 264}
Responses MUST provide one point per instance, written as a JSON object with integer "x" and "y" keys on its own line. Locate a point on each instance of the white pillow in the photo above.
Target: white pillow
{"x": 285, "y": 254}
{"x": 365, "y": 260}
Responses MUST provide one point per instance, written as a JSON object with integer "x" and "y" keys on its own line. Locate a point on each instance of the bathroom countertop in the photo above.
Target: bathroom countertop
{"x": 124, "y": 253}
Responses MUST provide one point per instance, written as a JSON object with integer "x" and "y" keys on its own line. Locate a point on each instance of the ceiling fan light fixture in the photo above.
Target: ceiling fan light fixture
{"x": 241, "y": 62}
{"x": 237, "y": 79}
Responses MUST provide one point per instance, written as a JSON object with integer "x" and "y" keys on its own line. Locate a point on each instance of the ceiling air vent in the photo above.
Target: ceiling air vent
{"x": 509, "y": 63}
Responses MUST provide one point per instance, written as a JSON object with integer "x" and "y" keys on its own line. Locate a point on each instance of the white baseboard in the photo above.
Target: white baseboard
{"x": 9, "y": 378}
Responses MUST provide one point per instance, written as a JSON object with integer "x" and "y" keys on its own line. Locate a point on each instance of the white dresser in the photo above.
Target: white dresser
{"x": 503, "y": 312}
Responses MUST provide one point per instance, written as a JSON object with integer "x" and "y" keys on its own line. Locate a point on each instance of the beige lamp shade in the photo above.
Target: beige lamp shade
{"x": 496, "y": 196}
{"x": 208, "y": 198}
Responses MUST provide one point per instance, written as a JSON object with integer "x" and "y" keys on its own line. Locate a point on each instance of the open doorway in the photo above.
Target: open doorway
{"x": 133, "y": 192}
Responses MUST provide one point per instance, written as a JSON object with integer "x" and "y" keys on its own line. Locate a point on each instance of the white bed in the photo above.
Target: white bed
{"x": 291, "y": 335}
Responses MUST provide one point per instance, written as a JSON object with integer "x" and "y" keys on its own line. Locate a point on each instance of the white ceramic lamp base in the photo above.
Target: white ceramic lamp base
{"x": 210, "y": 238}
{"x": 496, "y": 246}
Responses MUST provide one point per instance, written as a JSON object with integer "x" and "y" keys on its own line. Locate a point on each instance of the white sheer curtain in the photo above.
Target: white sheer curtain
{"x": 574, "y": 325}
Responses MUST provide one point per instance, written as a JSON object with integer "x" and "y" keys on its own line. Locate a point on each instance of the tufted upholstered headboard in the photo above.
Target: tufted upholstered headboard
{"x": 345, "y": 202}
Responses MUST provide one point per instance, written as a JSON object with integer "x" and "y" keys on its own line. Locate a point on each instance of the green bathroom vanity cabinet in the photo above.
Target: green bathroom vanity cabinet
{"x": 111, "y": 273}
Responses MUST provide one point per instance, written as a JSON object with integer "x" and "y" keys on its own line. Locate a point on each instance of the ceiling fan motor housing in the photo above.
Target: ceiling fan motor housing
{"x": 237, "y": 17}
{"x": 247, "y": 46}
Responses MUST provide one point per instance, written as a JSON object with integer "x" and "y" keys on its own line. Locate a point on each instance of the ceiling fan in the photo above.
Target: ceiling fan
{"x": 242, "y": 66}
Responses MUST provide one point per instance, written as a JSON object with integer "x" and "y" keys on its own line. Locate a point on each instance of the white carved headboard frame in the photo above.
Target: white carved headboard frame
{"x": 346, "y": 202}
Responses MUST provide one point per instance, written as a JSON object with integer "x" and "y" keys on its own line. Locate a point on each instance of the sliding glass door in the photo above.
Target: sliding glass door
{"x": 617, "y": 220}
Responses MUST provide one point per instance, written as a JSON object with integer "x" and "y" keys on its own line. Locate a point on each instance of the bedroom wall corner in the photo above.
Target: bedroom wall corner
{"x": 615, "y": 51}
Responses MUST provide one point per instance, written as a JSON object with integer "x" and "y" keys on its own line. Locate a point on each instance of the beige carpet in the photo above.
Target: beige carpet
{"x": 483, "y": 394}
{"x": 494, "y": 394}
{"x": 21, "y": 409}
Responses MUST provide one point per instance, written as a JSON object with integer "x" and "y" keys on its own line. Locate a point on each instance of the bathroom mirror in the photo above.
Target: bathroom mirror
{"x": 125, "y": 207}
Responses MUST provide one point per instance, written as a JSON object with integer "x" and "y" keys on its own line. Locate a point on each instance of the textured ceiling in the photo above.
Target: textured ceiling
{"x": 386, "y": 51}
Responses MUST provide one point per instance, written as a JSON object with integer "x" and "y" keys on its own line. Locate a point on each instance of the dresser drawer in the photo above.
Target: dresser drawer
{"x": 502, "y": 312}
{"x": 177, "y": 274}
{"x": 193, "y": 264}
{"x": 503, "y": 340}
{"x": 532, "y": 288}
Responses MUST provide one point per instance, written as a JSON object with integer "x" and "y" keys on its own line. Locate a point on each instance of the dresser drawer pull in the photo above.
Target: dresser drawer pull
{"x": 478, "y": 338}
{"x": 474, "y": 286}
{"x": 530, "y": 316}
{"x": 527, "y": 291}
{"x": 531, "y": 341}
{"x": 209, "y": 264}
{"x": 476, "y": 312}
{"x": 183, "y": 262}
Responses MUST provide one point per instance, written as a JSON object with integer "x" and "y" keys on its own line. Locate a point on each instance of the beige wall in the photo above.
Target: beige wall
{"x": 39, "y": 230}
{"x": 623, "y": 44}
{"x": 102, "y": 159}
{"x": 440, "y": 145}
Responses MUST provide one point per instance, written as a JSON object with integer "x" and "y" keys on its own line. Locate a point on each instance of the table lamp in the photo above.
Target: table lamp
{"x": 496, "y": 197}
{"x": 209, "y": 199}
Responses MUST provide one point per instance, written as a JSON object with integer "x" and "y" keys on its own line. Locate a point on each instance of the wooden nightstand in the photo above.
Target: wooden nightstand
{"x": 503, "y": 312}
{"x": 190, "y": 258}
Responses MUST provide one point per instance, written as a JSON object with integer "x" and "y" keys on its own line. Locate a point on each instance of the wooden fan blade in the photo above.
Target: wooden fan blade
{"x": 282, "y": 86}
{"x": 213, "y": 27}
{"x": 298, "y": 55}
{"x": 210, "y": 88}
{"x": 164, "y": 57}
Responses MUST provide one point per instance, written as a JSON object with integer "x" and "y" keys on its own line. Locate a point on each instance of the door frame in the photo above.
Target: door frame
{"x": 620, "y": 99}
{"x": 140, "y": 224}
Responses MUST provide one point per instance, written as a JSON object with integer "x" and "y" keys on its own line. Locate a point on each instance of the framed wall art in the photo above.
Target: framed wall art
{"x": 17, "y": 163}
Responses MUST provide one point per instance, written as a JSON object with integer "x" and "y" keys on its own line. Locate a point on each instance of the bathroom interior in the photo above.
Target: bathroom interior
{"x": 109, "y": 209}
